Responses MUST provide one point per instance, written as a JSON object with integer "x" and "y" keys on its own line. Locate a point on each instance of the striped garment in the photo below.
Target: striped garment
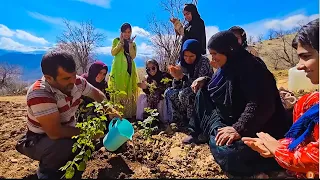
{"x": 43, "y": 99}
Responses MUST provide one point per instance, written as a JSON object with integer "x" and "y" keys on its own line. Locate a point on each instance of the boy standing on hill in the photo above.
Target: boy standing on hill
{"x": 52, "y": 103}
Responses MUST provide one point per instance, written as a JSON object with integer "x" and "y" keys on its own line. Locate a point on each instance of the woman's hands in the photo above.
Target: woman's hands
{"x": 143, "y": 85}
{"x": 226, "y": 136}
{"x": 265, "y": 144}
{"x": 176, "y": 72}
{"x": 198, "y": 84}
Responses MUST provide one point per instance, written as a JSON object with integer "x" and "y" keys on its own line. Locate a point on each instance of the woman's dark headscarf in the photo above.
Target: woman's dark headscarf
{"x": 94, "y": 70}
{"x": 220, "y": 86}
{"x": 308, "y": 35}
{"x": 158, "y": 76}
{"x": 193, "y": 46}
{"x": 123, "y": 28}
{"x": 242, "y": 33}
{"x": 194, "y": 11}
{"x": 195, "y": 29}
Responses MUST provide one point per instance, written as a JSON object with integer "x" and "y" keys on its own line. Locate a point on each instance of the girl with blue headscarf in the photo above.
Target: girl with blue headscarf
{"x": 192, "y": 65}
{"x": 298, "y": 152}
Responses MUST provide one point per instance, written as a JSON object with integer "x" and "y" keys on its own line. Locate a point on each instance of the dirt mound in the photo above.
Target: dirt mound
{"x": 159, "y": 157}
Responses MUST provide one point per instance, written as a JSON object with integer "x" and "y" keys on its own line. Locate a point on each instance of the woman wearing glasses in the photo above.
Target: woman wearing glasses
{"x": 153, "y": 87}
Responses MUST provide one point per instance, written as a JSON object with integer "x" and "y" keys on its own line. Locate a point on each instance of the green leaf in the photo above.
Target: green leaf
{"x": 81, "y": 153}
{"x": 74, "y": 148}
{"x": 65, "y": 166}
{"x": 90, "y": 105}
{"x": 70, "y": 172}
{"x": 85, "y": 159}
{"x": 103, "y": 118}
{"x": 78, "y": 157}
{"x": 88, "y": 153}
{"x": 82, "y": 166}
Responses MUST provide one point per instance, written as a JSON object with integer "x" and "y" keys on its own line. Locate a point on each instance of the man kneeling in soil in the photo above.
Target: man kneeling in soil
{"x": 52, "y": 104}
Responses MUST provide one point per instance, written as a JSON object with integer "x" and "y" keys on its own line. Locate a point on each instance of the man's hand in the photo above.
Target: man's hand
{"x": 198, "y": 84}
{"x": 226, "y": 135}
{"x": 256, "y": 144}
{"x": 113, "y": 113}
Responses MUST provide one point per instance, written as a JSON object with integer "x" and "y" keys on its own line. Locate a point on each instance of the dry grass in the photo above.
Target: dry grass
{"x": 17, "y": 99}
{"x": 266, "y": 50}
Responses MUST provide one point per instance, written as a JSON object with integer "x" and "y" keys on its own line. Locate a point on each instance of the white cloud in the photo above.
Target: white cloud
{"x": 9, "y": 44}
{"x": 5, "y": 31}
{"x": 50, "y": 19}
{"x": 29, "y": 37}
{"x": 20, "y": 34}
{"x": 104, "y": 50}
{"x": 210, "y": 31}
{"x": 59, "y": 22}
{"x": 101, "y": 3}
{"x": 143, "y": 50}
{"x": 289, "y": 22}
{"x": 139, "y": 32}
{"x": 286, "y": 23}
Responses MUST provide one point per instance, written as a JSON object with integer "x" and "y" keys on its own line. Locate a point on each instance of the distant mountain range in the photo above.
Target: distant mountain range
{"x": 30, "y": 62}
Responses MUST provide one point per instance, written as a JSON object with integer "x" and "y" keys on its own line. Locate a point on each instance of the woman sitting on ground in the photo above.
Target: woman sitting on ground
{"x": 153, "y": 89}
{"x": 240, "y": 99}
{"x": 192, "y": 65}
{"x": 299, "y": 150}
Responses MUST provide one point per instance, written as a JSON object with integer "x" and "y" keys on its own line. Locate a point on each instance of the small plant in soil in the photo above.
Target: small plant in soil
{"x": 166, "y": 80}
{"x": 92, "y": 126}
{"x": 147, "y": 124}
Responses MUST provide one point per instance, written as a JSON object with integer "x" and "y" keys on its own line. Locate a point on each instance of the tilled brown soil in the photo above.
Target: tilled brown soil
{"x": 160, "y": 157}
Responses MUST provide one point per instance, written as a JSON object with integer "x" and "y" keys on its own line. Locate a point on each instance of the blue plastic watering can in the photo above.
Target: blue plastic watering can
{"x": 120, "y": 131}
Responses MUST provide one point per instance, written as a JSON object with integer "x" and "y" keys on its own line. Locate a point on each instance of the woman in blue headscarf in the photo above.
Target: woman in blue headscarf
{"x": 192, "y": 65}
{"x": 240, "y": 99}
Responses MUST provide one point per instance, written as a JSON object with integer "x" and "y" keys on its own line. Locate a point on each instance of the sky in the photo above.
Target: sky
{"x": 33, "y": 25}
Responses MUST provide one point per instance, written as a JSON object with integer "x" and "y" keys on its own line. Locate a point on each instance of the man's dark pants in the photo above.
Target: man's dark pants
{"x": 52, "y": 154}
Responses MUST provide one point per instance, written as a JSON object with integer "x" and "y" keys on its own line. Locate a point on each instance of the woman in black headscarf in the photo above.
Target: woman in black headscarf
{"x": 96, "y": 77}
{"x": 192, "y": 65}
{"x": 195, "y": 28}
{"x": 242, "y": 40}
{"x": 240, "y": 99}
{"x": 153, "y": 88}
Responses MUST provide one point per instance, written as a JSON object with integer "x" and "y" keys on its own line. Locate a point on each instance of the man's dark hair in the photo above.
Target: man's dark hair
{"x": 308, "y": 35}
{"x": 52, "y": 60}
